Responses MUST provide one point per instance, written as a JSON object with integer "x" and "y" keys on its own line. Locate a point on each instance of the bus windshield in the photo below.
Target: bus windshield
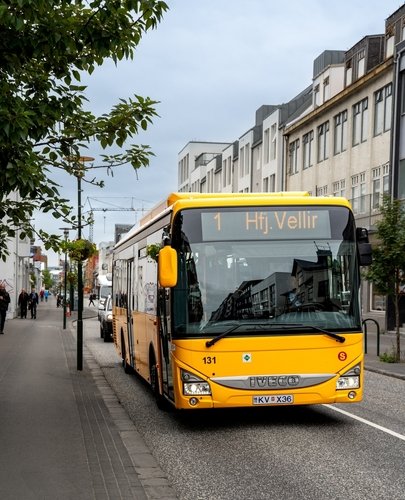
{"x": 263, "y": 269}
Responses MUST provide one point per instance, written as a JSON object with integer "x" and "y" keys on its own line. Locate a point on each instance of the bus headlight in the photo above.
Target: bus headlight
{"x": 193, "y": 385}
{"x": 350, "y": 379}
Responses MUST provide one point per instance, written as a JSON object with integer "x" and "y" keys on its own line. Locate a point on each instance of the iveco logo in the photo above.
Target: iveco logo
{"x": 274, "y": 381}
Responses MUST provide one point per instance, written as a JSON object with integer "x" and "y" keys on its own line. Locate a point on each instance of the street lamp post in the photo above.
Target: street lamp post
{"x": 79, "y": 174}
{"x": 79, "y": 278}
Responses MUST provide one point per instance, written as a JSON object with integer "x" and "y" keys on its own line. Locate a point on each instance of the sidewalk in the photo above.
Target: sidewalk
{"x": 63, "y": 433}
{"x": 387, "y": 345}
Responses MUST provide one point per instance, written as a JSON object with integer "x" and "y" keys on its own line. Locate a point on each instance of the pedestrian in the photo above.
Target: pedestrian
{"x": 23, "y": 299}
{"x": 46, "y": 295}
{"x": 91, "y": 301}
{"x": 33, "y": 302}
{"x": 4, "y": 302}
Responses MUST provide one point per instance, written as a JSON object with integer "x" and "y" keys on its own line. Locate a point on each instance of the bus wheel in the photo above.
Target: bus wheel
{"x": 154, "y": 385}
{"x": 127, "y": 367}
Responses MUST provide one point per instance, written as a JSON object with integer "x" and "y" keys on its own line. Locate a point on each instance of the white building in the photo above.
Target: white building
{"x": 16, "y": 270}
{"x": 335, "y": 138}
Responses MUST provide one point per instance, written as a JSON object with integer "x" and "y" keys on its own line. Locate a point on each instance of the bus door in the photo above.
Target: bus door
{"x": 164, "y": 339}
{"x": 130, "y": 308}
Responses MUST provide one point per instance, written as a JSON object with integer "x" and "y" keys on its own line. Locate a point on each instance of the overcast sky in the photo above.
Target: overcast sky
{"x": 211, "y": 64}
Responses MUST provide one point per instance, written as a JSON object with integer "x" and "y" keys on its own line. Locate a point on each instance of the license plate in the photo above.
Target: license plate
{"x": 274, "y": 399}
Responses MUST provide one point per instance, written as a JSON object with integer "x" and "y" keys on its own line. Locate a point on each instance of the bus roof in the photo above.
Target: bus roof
{"x": 178, "y": 201}
{"x": 212, "y": 199}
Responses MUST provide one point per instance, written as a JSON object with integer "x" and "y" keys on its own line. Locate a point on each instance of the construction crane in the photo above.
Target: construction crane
{"x": 110, "y": 207}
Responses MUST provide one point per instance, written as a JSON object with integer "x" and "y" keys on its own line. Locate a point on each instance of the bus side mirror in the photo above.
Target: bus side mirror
{"x": 364, "y": 247}
{"x": 167, "y": 261}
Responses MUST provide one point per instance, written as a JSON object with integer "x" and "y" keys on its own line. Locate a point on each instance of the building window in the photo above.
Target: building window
{"x": 377, "y": 301}
{"x": 349, "y": 73}
{"x": 339, "y": 188}
{"x": 389, "y": 44}
{"x": 322, "y": 191}
{"x": 326, "y": 89}
{"x": 383, "y": 109}
{"x": 340, "y": 133}
{"x": 273, "y": 144}
{"x": 360, "y": 121}
{"x": 376, "y": 193}
{"x": 241, "y": 162}
{"x": 316, "y": 95}
{"x": 307, "y": 152}
{"x": 359, "y": 193}
{"x": 247, "y": 159}
{"x": 293, "y": 152}
{"x": 386, "y": 178}
{"x": 323, "y": 141}
{"x": 266, "y": 145}
{"x": 380, "y": 183}
{"x": 272, "y": 183}
{"x": 269, "y": 184}
{"x": 361, "y": 63}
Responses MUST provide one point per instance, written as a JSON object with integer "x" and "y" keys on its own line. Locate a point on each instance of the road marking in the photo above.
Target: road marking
{"x": 367, "y": 422}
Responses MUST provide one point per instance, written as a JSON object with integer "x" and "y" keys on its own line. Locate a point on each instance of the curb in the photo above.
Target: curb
{"x": 152, "y": 478}
{"x": 385, "y": 372}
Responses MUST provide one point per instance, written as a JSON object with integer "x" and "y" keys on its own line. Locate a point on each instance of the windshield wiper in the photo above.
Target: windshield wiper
{"x": 334, "y": 336}
{"x": 213, "y": 341}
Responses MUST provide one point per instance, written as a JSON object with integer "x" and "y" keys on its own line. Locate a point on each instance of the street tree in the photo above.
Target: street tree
{"x": 387, "y": 269}
{"x": 47, "y": 279}
{"x": 45, "y": 48}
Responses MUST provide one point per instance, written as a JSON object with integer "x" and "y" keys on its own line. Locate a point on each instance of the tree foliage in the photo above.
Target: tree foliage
{"x": 45, "y": 47}
{"x": 47, "y": 279}
{"x": 387, "y": 269}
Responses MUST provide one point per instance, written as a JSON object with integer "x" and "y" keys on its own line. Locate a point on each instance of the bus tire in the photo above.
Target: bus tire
{"x": 154, "y": 385}
{"x": 127, "y": 368}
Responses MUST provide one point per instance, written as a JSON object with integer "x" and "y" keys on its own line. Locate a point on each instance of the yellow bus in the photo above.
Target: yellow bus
{"x": 243, "y": 300}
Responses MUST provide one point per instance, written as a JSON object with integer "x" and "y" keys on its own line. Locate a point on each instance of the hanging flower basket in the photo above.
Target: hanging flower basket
{"x": 71, "y": 278}
{"x": 152, "y": 251}
{"x": 80, "y": 250}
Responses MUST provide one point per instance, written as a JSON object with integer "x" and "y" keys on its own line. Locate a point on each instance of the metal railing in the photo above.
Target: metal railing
{"x": 364, "y": 323}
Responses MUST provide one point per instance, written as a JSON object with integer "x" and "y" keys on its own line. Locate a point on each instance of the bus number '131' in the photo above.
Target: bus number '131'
{"x": 209, "y": 360}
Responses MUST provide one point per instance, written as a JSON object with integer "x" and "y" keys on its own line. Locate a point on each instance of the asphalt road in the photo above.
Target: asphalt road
{"x": 314, "y": 452}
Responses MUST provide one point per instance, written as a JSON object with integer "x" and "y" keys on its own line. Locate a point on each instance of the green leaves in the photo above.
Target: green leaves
{"x": 387, "y": 271}
{"x": 389, "y": 256}
{"x": 45, "y": 47}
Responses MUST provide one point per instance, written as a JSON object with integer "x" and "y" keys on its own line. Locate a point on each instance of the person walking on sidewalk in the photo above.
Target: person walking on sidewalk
{"x": 4, "y": 302}
{"x": 33, "y": 302}
{"x": 23, "y": 299}
{"x": 91, "y": 299}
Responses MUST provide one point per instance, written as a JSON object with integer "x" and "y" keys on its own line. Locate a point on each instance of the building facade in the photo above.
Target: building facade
{"x": 343, "y": 135}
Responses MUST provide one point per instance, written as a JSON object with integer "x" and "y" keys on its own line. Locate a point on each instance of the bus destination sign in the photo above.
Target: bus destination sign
{"x": 266, "y": 224}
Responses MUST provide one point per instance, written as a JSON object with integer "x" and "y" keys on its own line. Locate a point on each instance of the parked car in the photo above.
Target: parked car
{"x": 105, "y": 319}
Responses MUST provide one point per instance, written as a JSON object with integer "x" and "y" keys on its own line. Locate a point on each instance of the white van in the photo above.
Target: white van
{"x": 104, "y": 288}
